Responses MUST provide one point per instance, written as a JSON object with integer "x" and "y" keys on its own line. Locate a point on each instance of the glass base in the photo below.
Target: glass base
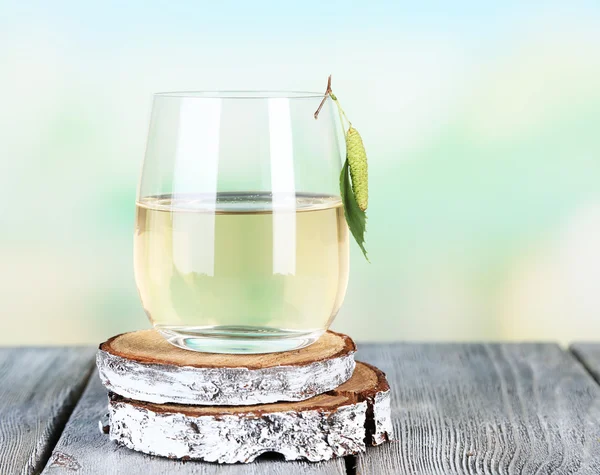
{"x": 238, "y": 339}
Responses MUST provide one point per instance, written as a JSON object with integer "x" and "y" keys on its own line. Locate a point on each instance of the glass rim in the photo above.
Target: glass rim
{"x": 248, "y": 94}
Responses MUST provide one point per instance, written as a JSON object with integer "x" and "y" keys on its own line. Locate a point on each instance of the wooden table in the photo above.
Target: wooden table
{"x": 457, "y": 409}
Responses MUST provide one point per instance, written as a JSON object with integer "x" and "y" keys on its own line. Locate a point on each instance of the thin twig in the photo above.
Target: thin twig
{"x": 327, "y": 92}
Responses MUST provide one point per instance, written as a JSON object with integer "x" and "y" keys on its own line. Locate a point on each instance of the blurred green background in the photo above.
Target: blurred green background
{"x": 481, "y": 122}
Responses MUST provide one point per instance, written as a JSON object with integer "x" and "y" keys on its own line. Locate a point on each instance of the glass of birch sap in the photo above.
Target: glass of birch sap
{"x": 241, "y": 245}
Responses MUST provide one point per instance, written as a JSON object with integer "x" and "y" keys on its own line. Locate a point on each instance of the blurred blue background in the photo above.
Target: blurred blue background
{"x": 481, "y": 122}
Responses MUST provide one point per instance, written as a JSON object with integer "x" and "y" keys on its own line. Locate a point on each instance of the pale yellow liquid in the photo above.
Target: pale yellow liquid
{"x": 241, "y": 261}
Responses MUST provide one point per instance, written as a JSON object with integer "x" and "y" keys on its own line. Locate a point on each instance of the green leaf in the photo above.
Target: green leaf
{"x": 355, "y": 217}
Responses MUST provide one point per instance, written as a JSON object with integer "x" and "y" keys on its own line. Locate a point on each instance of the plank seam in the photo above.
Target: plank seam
{"x": 63, "y": 419}
{"x": 581, "y": 360}
{"x": 350, "y": 462}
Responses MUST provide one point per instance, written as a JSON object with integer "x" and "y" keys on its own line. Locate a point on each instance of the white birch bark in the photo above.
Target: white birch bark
{"x": 161, "y": 383}
{"x": 314, "y": 434}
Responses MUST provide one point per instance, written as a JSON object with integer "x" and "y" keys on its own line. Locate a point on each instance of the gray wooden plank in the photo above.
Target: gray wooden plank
{"x": 486, "y": 409}
{"x": 39, "y": 389}
{"x": 589, "y": 355}
{"x": 83, "y": 449}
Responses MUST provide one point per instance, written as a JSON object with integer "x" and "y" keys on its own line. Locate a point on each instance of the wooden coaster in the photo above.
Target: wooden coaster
{"x": 338, "y": 423}
{"x": 142, "y": 365}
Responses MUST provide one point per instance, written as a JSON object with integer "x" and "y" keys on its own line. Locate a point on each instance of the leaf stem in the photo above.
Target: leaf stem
{"x": 341, "y": 111}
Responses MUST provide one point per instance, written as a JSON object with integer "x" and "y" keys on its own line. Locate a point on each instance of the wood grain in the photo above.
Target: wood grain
{"x": 82, "y": 449}
{"x": 486, "y": 409}
{"x": 148, "y": 346}
{"x": 589, "y": 355}
{"x": 39, "y": 389}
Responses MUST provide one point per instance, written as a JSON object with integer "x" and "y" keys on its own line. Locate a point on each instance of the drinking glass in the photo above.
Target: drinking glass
{"x": 241, "y": 245}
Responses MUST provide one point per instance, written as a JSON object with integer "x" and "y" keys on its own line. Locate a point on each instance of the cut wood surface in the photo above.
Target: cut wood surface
{"x": 486, "y": 409}
{"x": 589, "y": 355}
{"x": 40, "y": 387}
{"x": 334, "y": 424}
{"x": 84, "y": 450}
{"x": 144, "y": 366}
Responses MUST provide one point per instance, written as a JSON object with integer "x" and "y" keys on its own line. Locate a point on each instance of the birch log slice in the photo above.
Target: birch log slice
{"x": 337, "y": 423}
{"x": 143, "y": 366}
